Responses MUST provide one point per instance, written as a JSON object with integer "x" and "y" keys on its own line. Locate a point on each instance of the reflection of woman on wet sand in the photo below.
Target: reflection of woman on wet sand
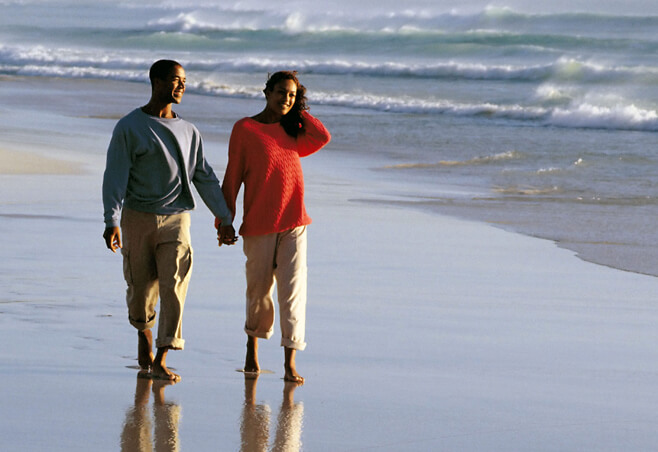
{"x": 288, "y": 435}
{"x": 137, "y": 428}
{"x": 255, "y": 422}
{"x": 264, "y": 155}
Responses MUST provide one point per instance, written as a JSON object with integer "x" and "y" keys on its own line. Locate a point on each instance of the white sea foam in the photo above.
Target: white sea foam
{"x": 573, "y": 107}
{"x": 562, "y": 69}
{"x": 475, "y": 161}
{"x": 551, "y": 170}
{"x": 628, "y": 117}
{"x": 301, "y": 18}
{"x": 565, "y": 80}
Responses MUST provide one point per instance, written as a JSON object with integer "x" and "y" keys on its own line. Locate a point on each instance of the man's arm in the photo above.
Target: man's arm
{"x": 231, "y": 185}
{"x": 209, "y": 188}
{"x": 207, "y": 184}
{"x": 115, "y": 182}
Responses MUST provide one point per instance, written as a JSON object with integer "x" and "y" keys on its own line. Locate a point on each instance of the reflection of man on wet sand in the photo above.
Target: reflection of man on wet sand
{"x": 153, "y": 159}
{"x": 255, "y": 424}
{"x": 137, "y": 429}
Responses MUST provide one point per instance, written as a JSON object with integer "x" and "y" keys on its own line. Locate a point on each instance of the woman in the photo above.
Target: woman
{"x": 264, "y": 155}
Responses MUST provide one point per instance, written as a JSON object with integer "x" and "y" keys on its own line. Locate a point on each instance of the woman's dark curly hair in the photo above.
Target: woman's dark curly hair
{"x": 292, "y": 122}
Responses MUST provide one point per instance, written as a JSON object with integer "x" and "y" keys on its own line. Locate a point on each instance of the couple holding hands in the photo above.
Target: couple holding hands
{"x": 153, "y": 158}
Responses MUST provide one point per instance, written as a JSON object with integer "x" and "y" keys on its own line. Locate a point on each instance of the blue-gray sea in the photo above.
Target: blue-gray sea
{"x": 538, "y": 118}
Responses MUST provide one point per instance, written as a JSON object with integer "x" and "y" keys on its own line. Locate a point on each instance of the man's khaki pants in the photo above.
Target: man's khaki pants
{"x": 157, "y": 261}
{"x": 279, "y": 258}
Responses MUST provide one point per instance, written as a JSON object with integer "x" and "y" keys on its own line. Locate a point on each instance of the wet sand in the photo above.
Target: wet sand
{"x": 425, "y": 333}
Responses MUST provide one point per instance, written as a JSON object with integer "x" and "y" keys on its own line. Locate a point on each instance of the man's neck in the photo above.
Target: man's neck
{"x": 158, "y": 110}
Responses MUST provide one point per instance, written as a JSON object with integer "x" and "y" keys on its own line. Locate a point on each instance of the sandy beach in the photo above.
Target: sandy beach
{"x": 425, "y": 332}
{"x": 17, "y": 162}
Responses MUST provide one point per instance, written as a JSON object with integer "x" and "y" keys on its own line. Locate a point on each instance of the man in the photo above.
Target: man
{"x": 152, "y": 158}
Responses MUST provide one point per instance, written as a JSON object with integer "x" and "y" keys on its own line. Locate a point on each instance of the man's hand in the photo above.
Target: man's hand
{"x": 112, "y": 238}
{"x": 226, "y": 235}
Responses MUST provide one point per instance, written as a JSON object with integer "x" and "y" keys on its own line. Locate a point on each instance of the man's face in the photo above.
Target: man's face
{"x": 170, "y": 90}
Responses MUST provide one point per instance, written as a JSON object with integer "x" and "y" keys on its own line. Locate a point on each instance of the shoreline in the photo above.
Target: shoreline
{"x": 615, "y": 245}
{"x": 625, "y": 257}
{"x": 26, "y": 163}
{"x": 611, "y": 250}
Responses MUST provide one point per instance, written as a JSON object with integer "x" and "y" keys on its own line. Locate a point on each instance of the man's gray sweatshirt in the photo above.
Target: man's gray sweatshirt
{"x": 150, "y": 164}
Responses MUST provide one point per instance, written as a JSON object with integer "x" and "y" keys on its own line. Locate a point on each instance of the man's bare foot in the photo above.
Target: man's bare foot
{"x": 162, "y": 373}
{"x": 291, "y": 368}
{"x": 251, "y": 360}
{"x": 159, "y": 368}
{"x": 145, "y": 353}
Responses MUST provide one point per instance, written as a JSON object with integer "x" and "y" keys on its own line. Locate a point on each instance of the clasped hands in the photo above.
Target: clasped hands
{"x": 226, "y": 235}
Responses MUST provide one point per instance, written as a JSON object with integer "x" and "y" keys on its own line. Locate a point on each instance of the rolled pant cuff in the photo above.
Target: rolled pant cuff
{"x": 171, "y": 342}
{"x": 288, "y": 343}
{"x": 259, "y": 334}
{"x": 141, "y": 326}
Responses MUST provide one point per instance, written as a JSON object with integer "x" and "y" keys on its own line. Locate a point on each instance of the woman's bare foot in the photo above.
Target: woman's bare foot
{"x": 145, "y": 353}
{"x": 159, "y": 368}
{"x": 251, "y": 360}
{"x": 290, "y": 367}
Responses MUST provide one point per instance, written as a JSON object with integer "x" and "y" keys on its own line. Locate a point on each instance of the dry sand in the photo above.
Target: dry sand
{"x": 25, "y": 162}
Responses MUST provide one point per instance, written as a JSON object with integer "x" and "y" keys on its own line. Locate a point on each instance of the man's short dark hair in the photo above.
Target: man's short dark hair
{"x": 161, "y": 69}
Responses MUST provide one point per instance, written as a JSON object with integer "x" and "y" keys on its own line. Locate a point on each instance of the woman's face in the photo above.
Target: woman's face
{"x": 282, "y": 97}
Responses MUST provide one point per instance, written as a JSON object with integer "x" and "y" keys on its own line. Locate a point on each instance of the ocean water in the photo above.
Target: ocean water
{"x": 541, "y": 119}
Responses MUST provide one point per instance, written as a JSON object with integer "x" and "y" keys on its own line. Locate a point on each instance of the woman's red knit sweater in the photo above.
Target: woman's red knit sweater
{"x": 266, "y": 160}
